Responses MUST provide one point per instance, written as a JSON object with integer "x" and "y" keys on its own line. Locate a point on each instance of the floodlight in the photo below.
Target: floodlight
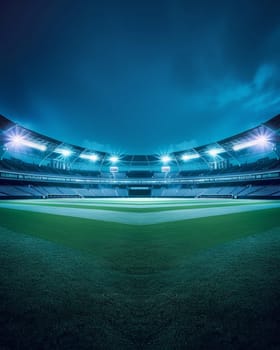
{"x": 260, "y": 140}
{"x": 64, "y": 152}
{"x": 186, "y": 157}
{"x": 165, "y": 159}
{"x": 114, "y": 159}
{"x": 18, "y": 140}
{"x": 243, "y": 145}
{"x": 92, "y": 157}
{"x": 215, "y": 151}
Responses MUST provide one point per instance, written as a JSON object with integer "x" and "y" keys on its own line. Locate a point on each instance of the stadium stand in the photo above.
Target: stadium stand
{"x": 246, "y": 165}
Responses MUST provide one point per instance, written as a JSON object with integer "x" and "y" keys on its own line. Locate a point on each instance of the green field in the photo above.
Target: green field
{"x": 139, "y": 274}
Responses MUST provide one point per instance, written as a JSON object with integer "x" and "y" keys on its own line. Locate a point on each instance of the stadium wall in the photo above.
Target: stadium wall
{"x": 260, "y": 189}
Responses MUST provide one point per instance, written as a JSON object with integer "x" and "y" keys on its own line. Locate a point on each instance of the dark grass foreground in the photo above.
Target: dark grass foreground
{"x": 146, "y": 294}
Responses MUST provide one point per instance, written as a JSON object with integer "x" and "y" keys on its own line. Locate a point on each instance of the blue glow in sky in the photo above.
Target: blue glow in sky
{"x": 139, "y": 76}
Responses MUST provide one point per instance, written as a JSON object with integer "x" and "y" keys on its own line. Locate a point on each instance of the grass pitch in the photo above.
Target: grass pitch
{"x": 75, "y": 283}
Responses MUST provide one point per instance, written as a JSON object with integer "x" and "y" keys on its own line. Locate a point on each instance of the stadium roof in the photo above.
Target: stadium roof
{"x": 268, "y": 130}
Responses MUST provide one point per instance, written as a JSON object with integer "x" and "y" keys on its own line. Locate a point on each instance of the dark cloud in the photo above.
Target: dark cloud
{"x": 139, "y": 75}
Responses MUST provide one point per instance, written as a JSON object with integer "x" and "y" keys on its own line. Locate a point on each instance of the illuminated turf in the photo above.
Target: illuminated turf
{"x": 139, "y": 212}
{"x": 172, "y": 285}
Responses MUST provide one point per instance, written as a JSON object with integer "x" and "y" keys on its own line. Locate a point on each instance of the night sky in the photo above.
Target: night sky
{"x": 139, "y": 76}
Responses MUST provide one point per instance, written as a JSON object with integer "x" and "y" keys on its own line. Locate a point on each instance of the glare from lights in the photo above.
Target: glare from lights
{"x": 92, "y": 157}
{"x": 215, "y": 151}
{"x": 18, "y": 140}
{"x": 114, "y": 159}
{"x": 186, "y": 157}
{"x": 165, "y": 159}
{"x": 262, "y": 140}
{"x": 64, "y": 152}
{"x": 259, "y": 141}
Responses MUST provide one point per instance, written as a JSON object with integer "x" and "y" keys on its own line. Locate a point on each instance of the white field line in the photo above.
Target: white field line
{"x": 140, "y": 218}
{"x": 129, "y": 201}
{"x": 188, "y": 203}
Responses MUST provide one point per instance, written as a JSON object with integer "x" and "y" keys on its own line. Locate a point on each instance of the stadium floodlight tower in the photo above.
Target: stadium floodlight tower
{"x": 260, "y": 141}
{"x": 64, "y": 152}
{"x": 165, "y": 159}
{"x": 18, "y": 141}
{"x": 114, "y": 159}
{"x": 215, "y": 154}
{"x": 185, "y": 157}
{"x": 92, "y": 157}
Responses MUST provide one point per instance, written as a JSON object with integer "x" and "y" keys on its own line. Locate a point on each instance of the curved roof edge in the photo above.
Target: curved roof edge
{"x": 272, "y": 126}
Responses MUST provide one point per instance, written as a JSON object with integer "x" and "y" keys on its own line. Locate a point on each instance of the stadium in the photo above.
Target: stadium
{"x": 155, "y": 251}
{"x": 241, "y": 166}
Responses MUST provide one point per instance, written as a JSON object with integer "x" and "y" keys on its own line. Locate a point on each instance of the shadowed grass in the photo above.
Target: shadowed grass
{"x": 141, "y": 246}
{"x": 141, "y": 296}
{"x": 73, "y": 283}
